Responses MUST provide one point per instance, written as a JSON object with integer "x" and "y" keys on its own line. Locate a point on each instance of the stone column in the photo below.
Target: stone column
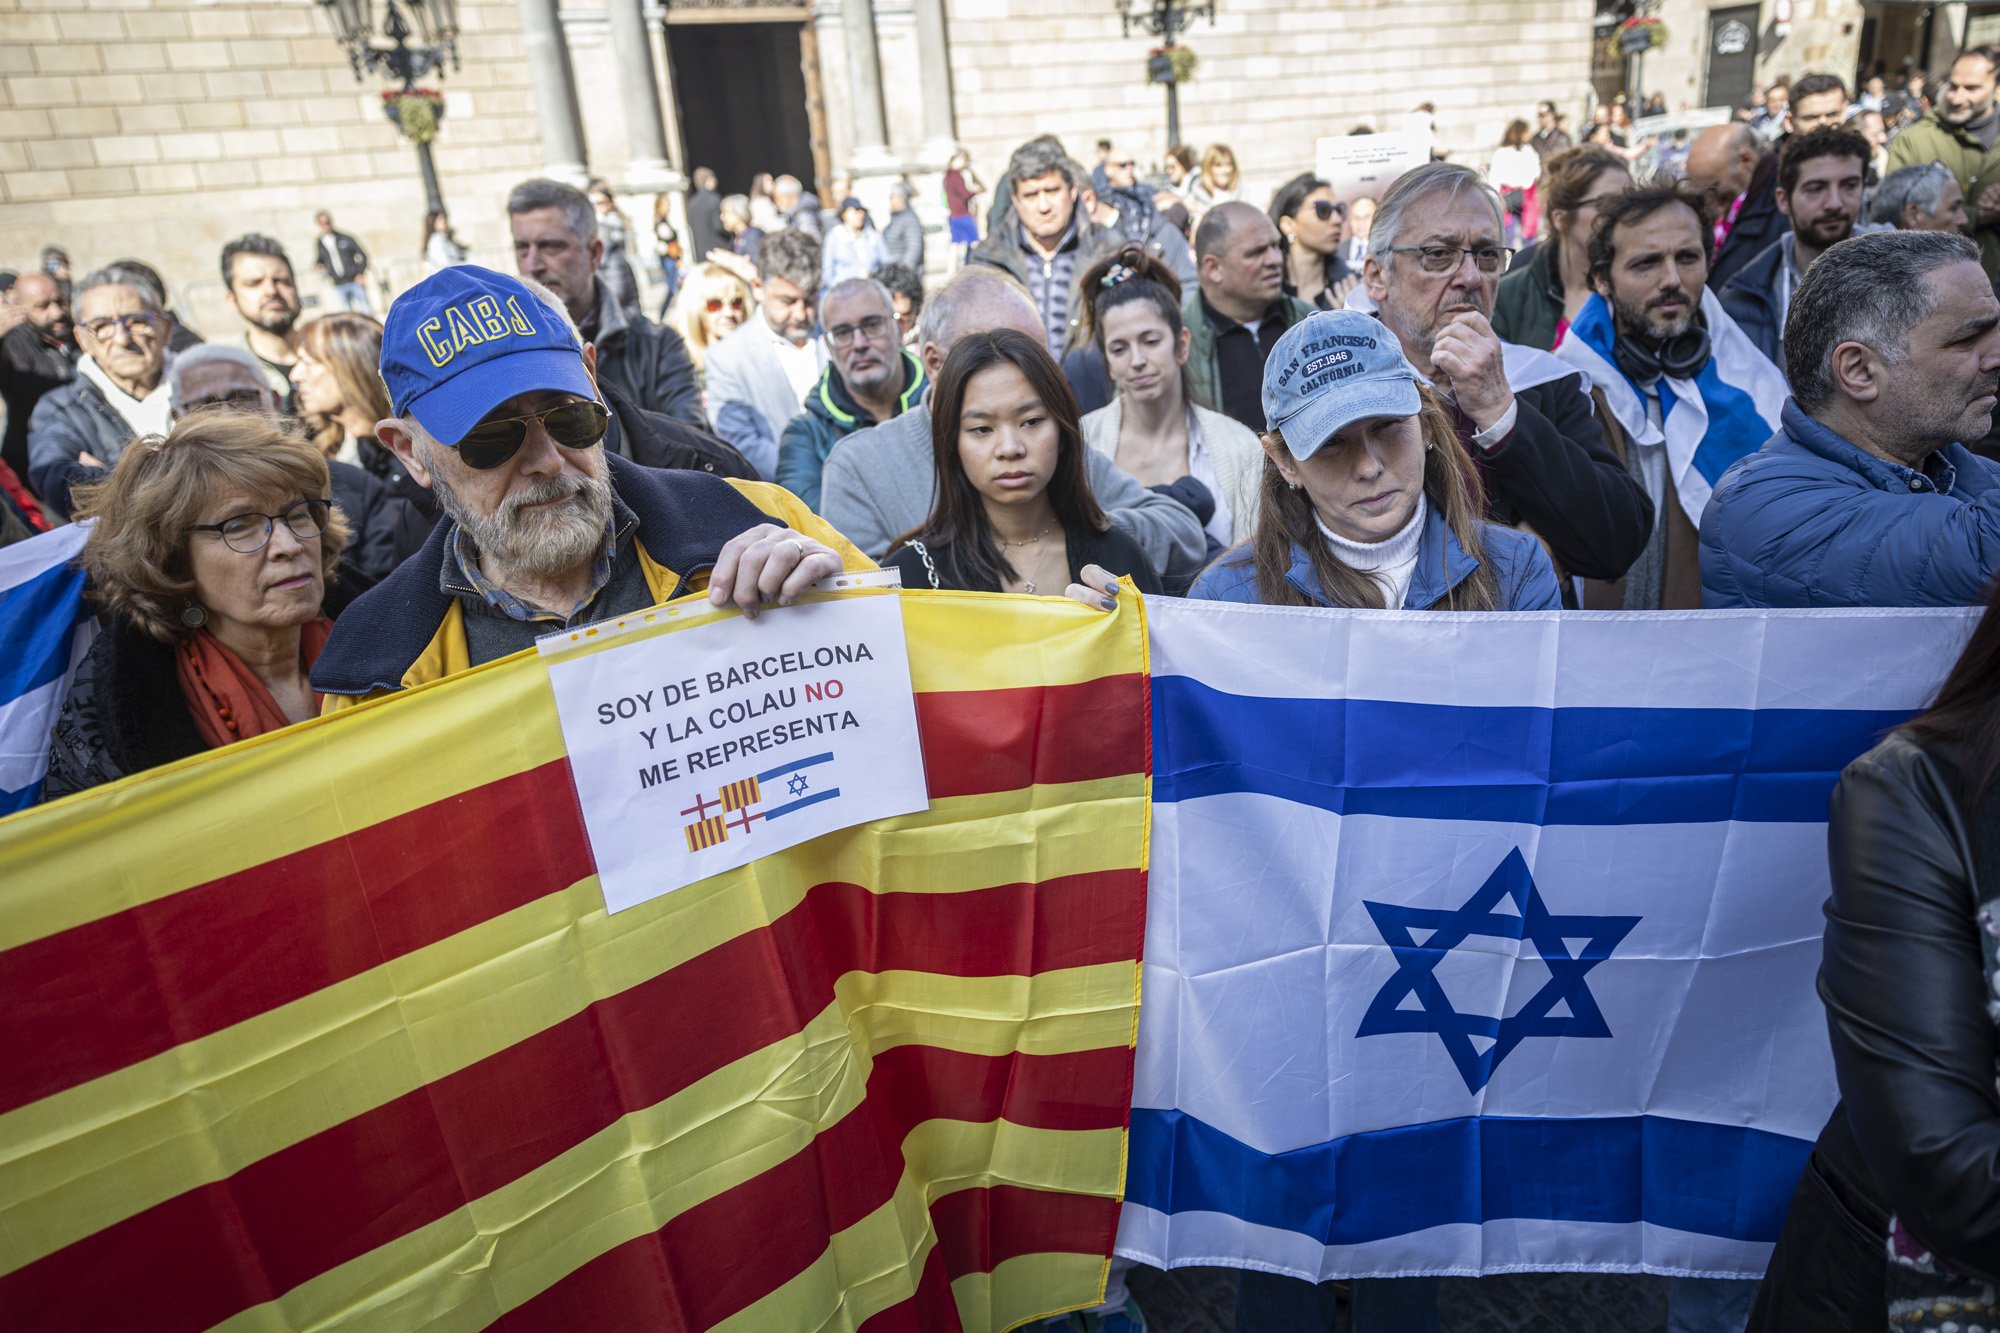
{"x": 864, "y": 77}
{"x": 639, "y": 99}
{"x": 555, "y": 91}
{"x": 934, "y": 78}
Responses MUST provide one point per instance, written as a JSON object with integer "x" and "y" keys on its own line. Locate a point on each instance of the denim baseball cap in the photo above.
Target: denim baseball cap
{"x": 465, "y": 340}
{"x": 1330, "y": 368}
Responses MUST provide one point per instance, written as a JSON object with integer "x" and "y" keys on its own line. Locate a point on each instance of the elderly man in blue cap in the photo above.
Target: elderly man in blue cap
{"x": 497, "y": 410}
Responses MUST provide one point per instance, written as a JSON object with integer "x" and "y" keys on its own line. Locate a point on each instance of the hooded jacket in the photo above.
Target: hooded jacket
{"x": 1812, "y": 519}
{"x": 1975, "y": 165}
{"x": 647, "y": 362}
{"x": 408, "y": 630}
{"x": 831, "y": 414}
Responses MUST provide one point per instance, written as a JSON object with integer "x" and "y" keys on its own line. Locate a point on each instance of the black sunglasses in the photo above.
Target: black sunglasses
{"x": 1326, "y": 210}
{"x": 573, "y": 426}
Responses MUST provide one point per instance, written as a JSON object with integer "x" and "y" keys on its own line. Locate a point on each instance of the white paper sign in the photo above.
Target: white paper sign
{"x": 699, "y": 750}
{"x": 1367, "y": 164}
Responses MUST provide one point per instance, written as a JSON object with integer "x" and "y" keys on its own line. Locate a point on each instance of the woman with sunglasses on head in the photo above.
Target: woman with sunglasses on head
{"x": 215, "y": 555}
{"x": 1153, "y": 428}
{"x": 1312, "y": 228}
{"x": 1012, "y": 509}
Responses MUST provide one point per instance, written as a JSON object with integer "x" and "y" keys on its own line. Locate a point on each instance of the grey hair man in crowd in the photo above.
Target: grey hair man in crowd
{"x": 877, "y": 483}
{"x": 556, "y": 244}
{"x": 758, "y": 376}
{"x": 1435, "y": 255}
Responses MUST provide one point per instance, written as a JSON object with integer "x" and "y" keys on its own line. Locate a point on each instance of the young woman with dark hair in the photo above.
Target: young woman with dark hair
{"x": 1312, "y": 229}
{"x": 1012, "y": 509}
{"x": 1896, "y": 1222}
{"x": 1153, "y": 428}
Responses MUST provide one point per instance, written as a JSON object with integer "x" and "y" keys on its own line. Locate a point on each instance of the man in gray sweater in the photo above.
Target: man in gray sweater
{"x": 877, "y": 482}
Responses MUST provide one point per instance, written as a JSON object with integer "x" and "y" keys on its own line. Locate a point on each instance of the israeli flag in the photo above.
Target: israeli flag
{"x": 1724, "y": 413}
{"x": 1486, "y": 943}
{"x": 47, "y": 629}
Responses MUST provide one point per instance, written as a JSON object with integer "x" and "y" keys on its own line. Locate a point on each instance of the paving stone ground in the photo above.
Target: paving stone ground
{"x": 1203, "y": 1300}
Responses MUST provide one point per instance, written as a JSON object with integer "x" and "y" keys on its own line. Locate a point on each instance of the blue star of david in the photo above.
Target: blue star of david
{"x": 1449, "y": 929}
{"x": 798, "y": 784}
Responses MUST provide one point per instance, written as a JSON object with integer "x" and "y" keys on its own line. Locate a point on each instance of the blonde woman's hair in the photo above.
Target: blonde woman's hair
{"x": 686, "y": 316}
{"x": 1285, "y": 519}
{"x": 350, "y": 346}
{"x": 137, "y": 553}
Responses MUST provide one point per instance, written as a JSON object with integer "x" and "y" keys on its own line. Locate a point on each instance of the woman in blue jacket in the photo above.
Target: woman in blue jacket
{"x": 1368, "y": 499}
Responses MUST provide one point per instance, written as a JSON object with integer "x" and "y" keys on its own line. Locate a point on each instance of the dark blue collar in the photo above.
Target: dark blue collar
{"x": 1939, "y": 472}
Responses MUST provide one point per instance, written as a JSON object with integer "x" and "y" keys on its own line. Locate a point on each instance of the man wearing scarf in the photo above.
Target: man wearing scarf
{"x": 1682, "y": 393}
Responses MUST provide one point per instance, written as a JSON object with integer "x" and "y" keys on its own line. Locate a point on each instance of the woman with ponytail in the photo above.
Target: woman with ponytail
{"x": 1367, "y": 498}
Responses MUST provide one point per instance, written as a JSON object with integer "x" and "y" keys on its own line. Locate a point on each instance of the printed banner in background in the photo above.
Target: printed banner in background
{"x": 333, "y": 1029}
{"x": 1487, "y": 943}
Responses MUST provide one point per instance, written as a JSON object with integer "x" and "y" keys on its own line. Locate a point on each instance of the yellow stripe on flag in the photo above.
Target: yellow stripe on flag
{"x": 1015, "y": 1293}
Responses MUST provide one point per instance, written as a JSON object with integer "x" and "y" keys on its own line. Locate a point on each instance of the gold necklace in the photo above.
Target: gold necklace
{"x": 1032, "y": 540}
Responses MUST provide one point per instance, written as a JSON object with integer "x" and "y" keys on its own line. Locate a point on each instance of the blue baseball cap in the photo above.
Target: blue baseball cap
{"x": 465, "y": 340}
{"x": 1330, "y": 368}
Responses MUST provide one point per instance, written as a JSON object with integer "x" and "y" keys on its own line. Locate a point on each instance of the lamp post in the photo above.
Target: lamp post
{"x": 1164, "y": 19}
{"x": 436, "y": 32}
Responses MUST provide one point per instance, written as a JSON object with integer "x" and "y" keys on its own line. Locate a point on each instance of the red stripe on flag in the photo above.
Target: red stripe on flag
{"x": 739, "y": 1247}
{"x": 422, "y": 1155}
{"x": 930, "y": 1309}
{"x": 996, "y": 740}
{"x": 87, "y": 1001}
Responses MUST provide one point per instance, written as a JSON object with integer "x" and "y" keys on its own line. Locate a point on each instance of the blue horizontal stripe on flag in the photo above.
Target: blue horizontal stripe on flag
{"x": 38, "y": 621}
{"x": 1711, "y": 1179}
{"x": 1511, "y": 764}
{"x": 13, "y": 801}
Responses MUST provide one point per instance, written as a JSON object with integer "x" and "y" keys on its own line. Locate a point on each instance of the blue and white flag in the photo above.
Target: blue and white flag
{"x": 47, "y": 629}
{"x": 1724, "y": 413}
{"x": 1480, "y": 944}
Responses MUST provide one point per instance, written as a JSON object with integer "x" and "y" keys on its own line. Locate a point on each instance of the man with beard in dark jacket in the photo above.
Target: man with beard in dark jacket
{"x": 1435, "y": 257}
{"x": 556, "y": 244}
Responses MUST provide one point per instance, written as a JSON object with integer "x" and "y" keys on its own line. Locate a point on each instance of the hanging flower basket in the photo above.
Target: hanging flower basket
{"x": 1171, "y": 64}
{"x": 415, "y": 112}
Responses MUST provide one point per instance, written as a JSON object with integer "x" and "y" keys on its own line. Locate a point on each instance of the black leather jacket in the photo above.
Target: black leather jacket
{"x": 1905, "y": 994}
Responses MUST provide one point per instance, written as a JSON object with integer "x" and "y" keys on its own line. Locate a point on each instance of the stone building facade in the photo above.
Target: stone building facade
{"x": 158, "y": 129}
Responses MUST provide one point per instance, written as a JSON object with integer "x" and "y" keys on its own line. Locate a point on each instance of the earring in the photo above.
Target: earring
{"x": 194, "y": 615}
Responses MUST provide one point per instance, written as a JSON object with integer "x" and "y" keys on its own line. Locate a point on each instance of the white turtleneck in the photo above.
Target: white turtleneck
{"x": 1390, "y": 562}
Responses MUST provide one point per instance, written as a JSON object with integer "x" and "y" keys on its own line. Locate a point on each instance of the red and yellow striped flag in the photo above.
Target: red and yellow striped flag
{"x": 333, "y": 1029}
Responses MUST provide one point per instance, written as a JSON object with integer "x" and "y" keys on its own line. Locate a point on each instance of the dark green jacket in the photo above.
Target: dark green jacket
{"x": 1975, "y": 165}
{"x": 1204, "y": 373}
{"x": 1530, "y": 300}
{"x": 830, "y": 416}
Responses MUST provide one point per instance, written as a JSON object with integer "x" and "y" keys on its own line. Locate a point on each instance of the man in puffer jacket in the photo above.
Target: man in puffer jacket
{"x": 869, "y": 379}
{"x": 1867, "y": 495}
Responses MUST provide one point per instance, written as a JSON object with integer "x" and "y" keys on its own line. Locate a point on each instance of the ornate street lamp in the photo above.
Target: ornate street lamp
{"x": 1166, "y": 19}
{"x": 434, "y": 26}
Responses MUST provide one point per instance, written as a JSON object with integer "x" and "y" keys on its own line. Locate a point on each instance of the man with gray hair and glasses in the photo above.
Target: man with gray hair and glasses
{"x": 1867, "y": 495}
{"x": 870, "y": 377}
{"x": 119, "y": 393}
{"x": 1435, "y": 256}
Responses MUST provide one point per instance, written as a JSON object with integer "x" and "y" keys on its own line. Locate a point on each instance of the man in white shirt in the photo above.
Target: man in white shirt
{"x": 759, "y": 375}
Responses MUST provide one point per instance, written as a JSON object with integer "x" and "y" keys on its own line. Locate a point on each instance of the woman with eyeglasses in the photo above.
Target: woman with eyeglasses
{"x": 1312, "y": 228}
{"x": 1012, "y": 509}
{"x": 214, "y": 556}
{"x": 1546, "y": 290}
{"x": 713, "y": 300}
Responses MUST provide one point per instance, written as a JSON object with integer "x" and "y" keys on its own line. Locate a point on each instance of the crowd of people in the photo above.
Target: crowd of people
{"x": 1761, "y": 375}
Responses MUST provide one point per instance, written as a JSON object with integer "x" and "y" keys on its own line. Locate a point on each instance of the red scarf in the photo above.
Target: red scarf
{"x": 229, "y": 703}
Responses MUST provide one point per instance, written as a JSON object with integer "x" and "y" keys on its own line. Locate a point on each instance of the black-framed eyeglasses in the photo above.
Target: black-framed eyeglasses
{"x": 105, "y": 328}
{"x": 1448, "y": 258}
{"x": 235, "y": 400}
{"x": 871, "y": 328}
{"x": 250, "y": 533}
{"x": 577, "y": 425}
{"x": 1326, "y": 210}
